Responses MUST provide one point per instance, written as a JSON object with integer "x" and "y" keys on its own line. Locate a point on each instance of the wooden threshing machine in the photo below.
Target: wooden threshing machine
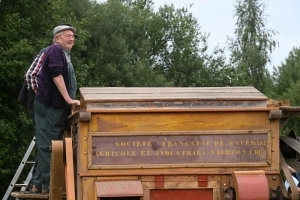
{"x": 209, "y": 143}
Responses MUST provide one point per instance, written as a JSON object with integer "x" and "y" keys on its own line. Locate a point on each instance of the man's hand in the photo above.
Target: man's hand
{"x": 71, "y": 101}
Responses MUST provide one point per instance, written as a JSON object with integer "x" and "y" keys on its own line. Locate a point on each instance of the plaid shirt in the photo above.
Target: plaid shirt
{"x": 31, "y": 75}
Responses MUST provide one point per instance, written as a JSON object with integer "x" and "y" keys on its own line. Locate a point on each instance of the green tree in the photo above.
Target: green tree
{"x": 286, "y": 79}
{"x": 25, "y": 28}
{"x": 118, "y": 45}
{"x": 251, "y": 49}
{"x": 132, "y": 45}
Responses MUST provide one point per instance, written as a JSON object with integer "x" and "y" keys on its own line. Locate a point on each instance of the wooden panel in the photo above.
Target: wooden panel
{"x": 148, "y": 185}
{"x": 181, "y": 178}
{"x": 146, "y": 195}
{"x": 217, "y": 194}
{"x": 214, "y": 181}
{"x": 119, "y": 188}
{"x": 181, "y": 194}
{"x": 273, "y": 180}
{"x": 275, "y": 149}
{"x": 226, "y": 181}
{"x": 179, "y": 121}
{"x": 176, "y": 185}
{"x": 82, "y": 156}
{"x": 88, "y": 188}
{"x": 149, "y": 150}
{"x": 140, "y": 93}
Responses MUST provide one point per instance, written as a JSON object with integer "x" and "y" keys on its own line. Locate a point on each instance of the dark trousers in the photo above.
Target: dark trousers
{"x": 49, "y": 125}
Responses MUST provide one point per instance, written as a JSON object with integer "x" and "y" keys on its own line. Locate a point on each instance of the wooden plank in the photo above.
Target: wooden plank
{"x": 293, "y": 163}
{"x": 139, "y": 93}
{"x": 56, "y": 170}
{"x": 179, "y": 96}
{"x": 178, "y": 110}
{"x": 88, "y": 188}
{"x": 274, "y": 146}
{"x": 148, "y": 185}
{"x": 141, "y": 90}
{"x": 214, "y": 181}
{"x": 69, "y": 170}
{"x": 175, "y": 104}
{"x": 146, "y": 195}
{"x": 291, "y": 142}
{"x": 176, "y": 185}
{"x": 141, "y": 178}
{"x": 81, "y": 161}
{"x": 28, "y": 195}
{"x": 138, "y": 89}
{"x": 181, "y": 178}
{"x": 217, "y": 194}
{"x": 288, "y": 175}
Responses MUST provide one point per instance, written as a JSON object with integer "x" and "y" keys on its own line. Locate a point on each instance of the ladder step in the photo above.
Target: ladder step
{"x": 21, "y": 185}
{"x": 30, "y": 162}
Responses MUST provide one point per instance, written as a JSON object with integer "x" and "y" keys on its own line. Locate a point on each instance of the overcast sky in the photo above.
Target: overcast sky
{"x": 216, "y": 17}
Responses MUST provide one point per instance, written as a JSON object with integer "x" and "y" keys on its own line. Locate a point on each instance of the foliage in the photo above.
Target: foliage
{"x": 286, "y": 79}
{"x": 131, "y": 45}
{"x": 250, "y": 50}
{"x": 24, "y": 30}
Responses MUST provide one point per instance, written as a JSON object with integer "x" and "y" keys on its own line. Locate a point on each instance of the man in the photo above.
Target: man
{"x": 295, "y": 177}
{"x": 55, "y": 93}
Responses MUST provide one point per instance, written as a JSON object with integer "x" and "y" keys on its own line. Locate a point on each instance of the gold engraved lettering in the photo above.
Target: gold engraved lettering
{"x": 246, "y": 142}
{"x": 184, "y": 143}
{"x": 145, "y": 153}
{"x": 219, "y": 143}
{"x": 221, "y": 152}
{"x": 117, "y": 144}
{"x": 255, "y": 152}
{"x": 205, "y": 143}
{"x": 123, "y": 144}
{"x": 164, "y": 153}
{"x": 259, "y": 143}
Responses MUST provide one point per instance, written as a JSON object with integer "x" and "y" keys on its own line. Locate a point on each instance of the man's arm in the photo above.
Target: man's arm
{"x": 60, "y": 84}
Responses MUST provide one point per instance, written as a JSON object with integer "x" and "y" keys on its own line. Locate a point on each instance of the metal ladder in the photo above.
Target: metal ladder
{"x": 24, "y": 161}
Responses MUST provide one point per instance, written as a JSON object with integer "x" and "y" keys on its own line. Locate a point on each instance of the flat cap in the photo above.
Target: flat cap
{"x": 61, "y": 28}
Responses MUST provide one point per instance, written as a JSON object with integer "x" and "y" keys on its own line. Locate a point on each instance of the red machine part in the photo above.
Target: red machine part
{"x": 251, "y": 185}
